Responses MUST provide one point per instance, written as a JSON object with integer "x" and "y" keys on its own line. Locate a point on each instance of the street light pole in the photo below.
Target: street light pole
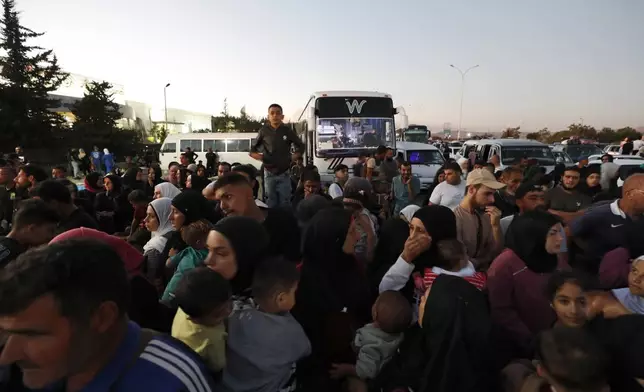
{"x": 165, "y": 104}
{"x": 460, "y": 117}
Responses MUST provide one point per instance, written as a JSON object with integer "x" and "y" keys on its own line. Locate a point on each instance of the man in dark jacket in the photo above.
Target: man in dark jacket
{"x": 273, "y": 148}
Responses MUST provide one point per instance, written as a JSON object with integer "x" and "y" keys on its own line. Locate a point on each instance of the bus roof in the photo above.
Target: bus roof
{"x": 210, "y": 136}
{"x": 349, "y": 93}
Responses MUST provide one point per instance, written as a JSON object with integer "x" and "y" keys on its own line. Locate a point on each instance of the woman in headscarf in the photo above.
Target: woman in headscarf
{"x": 157, "y": 221}
{"x": 533, "y": 242}
{"x": 108, "y": 161}
{"x": 333, "y": 295}
{"x": 429, "y": 226}
{"x": 93, "y": 185}
{"x": 145, "y": 309}
{"x": 407, "y": 213}
{"x": 153, "y": 179}
{"x": 197, "y": 183}
{"x": 591, "y": 185}
{"x": 453, "y": 351}
{"x": 236, "y": 245}
{"x": 165, "y": 189}
{"x": 113, "y": 210}
{"x": 132, "y": 179}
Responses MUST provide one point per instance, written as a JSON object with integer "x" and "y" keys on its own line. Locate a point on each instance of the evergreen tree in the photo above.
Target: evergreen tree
{"x": 97, "y": 113}
{"x": 28, "y": 74}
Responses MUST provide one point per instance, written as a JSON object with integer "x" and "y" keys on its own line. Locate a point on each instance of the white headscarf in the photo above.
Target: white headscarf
{"x": 630, "y": 301}
{"x": 167, "y": 190}
{"x": 409, "y": 211}
{"x": 162, "y": 207}
{"x": 106, "y": 151}
{"x": 609, "y": 171}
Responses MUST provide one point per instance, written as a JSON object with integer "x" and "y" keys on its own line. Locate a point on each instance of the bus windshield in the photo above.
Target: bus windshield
{"x": 354, "y": 133}
{"x": 425, "y": 157}
{"x": 418, "y": 136}
{"x": 513, "y": 155}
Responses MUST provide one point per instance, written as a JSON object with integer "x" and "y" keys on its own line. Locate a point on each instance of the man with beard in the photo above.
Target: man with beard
{"x": 504, "y": 199}
{"x": 63, "y": 311}
{"x": 529, "y": 196}
{"x": 478, "y": 221}
{"x": 7, "y": 196}
{"x": 450, "y": 192}
{"x": 235, "y": 196}
{"x": 565, "y": 200}
{"x": 28, "y": 177}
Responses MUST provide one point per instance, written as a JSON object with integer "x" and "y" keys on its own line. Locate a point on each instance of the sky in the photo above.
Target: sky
{"x": 542, "y": 63}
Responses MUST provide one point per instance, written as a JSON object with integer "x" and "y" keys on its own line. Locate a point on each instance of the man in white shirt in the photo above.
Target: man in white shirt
{"x": 450, "y": 192}
{"x": 637, "y": 145}
{"x": 341, "y": 177}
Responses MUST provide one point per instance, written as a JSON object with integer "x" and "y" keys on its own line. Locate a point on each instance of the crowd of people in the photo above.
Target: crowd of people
{"x": 504, "y": 280}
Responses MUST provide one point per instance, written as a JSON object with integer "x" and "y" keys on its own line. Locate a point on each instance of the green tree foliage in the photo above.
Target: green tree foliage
{"x": 511, "y": 133}
{"x": 29, "y": 74}
{"x": 541, "y": 135}
{"x": 242, "y": 123}
{"x": 96, "y": 113}
{"x": 605, "y": 135}
{"x": 159, "y": 133}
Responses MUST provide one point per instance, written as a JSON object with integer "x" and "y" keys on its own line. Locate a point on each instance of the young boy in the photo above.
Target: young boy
{"x": 194, "y": 235}
{"x": 204, "y": 300}
{"x": 264, "y": 343}
{"x": 377, "y": 342}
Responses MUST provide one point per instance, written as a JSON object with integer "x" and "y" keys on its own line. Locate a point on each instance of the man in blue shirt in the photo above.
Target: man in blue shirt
{"x": 63, "y": 310}
{"x": 405, "y": 187}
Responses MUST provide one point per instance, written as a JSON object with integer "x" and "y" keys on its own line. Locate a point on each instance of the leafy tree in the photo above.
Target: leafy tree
{"x": 28, "y": 74}
{"x": 627, "y": 132}
{"x": 541, "y": 135}
{"x": 583, "y": 131}
{"x": 606, "y": 135}
{"x": 159, "y": 133}
{"x": 487, "y": 135}
{"x": 96, "y": 113}
{"x": 511, "y": 133}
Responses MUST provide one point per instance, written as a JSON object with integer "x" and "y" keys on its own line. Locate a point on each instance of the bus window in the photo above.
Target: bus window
{"x": 169, "y": 147}
{"x": 194, "y": 144}
{"x": 238, "y": 145}
{"x": 216, "y": 145}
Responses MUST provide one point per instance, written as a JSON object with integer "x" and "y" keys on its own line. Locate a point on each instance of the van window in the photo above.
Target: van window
{"x": 169, "y": 147}
{"x": 238, "y": 145}
{"x": 425, "y": 157}
{"x": 513, "y": 155}
{"x": 218, "y": 145}
{"x": 194, "y": 144}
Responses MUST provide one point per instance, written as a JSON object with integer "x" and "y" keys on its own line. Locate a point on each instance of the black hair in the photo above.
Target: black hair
{"x": 310, "y": 175}
{"x": 480, "y": 162}
{"x": 224, "y": 163}
{"x": 453, "y": 166}
{"x": 381, "y": 150}
{"x": 512, "y": 170}
{"x": 230, "y": 178}
{"x": 573, "y": 168}
{"x": 73, "y": 188}
{"x": 247, "y": 169}
{"x": 200, "y": 291}
{"x": 52, "y": 190}
{"x": 173, "y": 163}
{"x": 341, "y": 167}
{"x": 559, "y": 278}
{"x": 274, "y": 105}
{"x": 36, "y": 171}
{"x": 405, "y": 163}
{"x": 61, "y": 168}
{"x": 138, "y": 196}
{"x": 274, "y": 276}
{"x": 394, "y": 312}
{"x": 79, "y": 273}
{"x": 610, "y": 157}
{"x": 34, "y": 212}
{"x": 573, "y": 358}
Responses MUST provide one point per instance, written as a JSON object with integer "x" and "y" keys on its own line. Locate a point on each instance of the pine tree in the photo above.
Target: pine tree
{"x": 96, "y": 113}
{"x": 28, "y": 74}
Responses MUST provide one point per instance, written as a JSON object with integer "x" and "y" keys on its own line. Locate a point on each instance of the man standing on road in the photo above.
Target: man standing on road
{"x": 273, "y": 148}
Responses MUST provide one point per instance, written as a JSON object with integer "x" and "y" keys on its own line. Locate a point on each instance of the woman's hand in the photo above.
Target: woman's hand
{"x": 415, "y": 245}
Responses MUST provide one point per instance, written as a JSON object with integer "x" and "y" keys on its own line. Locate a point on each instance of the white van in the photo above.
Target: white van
{"x": 231, "y": 147}
{"x": 425, "y": 160}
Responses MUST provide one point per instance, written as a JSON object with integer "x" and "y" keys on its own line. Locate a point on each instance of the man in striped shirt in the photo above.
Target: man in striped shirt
{"x": 63, "y": 313}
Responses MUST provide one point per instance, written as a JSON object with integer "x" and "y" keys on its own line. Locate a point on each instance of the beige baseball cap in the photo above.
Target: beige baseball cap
{"x": 483, "y": 177}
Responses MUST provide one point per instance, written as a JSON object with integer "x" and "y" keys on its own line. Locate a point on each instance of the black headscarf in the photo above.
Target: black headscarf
{"x": 440, "y": 224}
{"x": 194, "y": 206}
{"x": 527, "y": 238}
{"x": 249, "y": 240}
{"x": 198, "y": 183}
{"x": 583, "y": 186}
{"x": 117, "y": 184}
{"x": 92, "y": 180}
{"x": 129, "y": 179}
{"x": 391, "y": 242}
{"x": 308, "y": 208}
{"x": 456, "y": 334}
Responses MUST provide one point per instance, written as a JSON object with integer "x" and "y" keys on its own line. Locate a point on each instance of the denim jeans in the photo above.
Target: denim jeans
{"x": 277, "y": 189}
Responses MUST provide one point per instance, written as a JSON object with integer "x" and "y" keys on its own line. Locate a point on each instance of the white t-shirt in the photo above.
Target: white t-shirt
{"x": 448, "y": 195}
{"x": 335, "y": 191}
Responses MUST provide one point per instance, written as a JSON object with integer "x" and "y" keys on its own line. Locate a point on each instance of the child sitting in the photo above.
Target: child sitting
{"x": 194, "y": 235}
{"x": 264, "y": 343}
{"x": 204, "y": 300}
{"x": 454, "y": 262}
{"x": 377, "y": 342}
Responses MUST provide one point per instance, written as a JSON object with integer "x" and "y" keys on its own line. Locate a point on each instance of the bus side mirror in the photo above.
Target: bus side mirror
{"x": 310, "y": 119}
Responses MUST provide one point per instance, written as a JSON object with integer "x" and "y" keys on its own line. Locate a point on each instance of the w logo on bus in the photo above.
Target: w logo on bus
{"x": 355, "y": 106}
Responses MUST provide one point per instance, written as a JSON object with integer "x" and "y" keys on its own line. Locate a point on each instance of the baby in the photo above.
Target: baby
{"x": 377, "y": 342}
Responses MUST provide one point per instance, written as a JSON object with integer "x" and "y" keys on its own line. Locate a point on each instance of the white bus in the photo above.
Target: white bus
{"x": 231, "y": 147}
{"x": 337, "y": 126}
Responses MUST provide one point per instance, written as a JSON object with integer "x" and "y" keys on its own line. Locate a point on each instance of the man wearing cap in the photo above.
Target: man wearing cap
{"x": 478, "y": 221}
{"x": 529, "y": 196}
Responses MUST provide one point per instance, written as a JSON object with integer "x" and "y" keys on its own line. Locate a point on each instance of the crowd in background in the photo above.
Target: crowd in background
{"x": 499, "y": 280}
